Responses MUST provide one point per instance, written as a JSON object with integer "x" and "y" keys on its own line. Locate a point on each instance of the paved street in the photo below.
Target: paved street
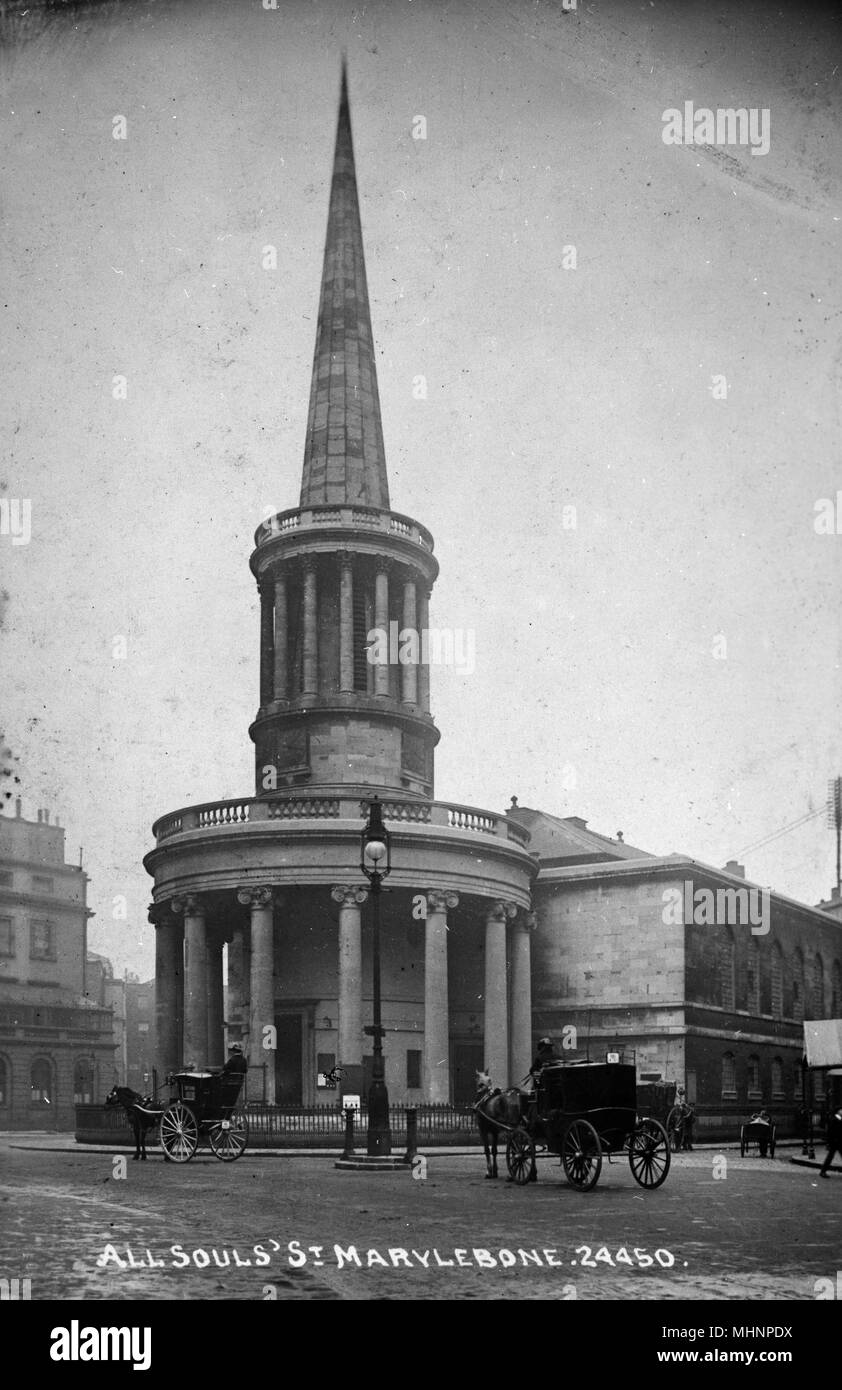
{"x": 209, "y": 1230}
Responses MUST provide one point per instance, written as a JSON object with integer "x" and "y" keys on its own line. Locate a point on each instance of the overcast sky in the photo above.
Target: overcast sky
{"x": 596, "y": 690}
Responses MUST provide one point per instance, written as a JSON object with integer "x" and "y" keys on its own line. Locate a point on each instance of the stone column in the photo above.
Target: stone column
{"x": 216, "y": 1011}
{"x": 350, "y": 1057}
{"x": 496, "y": 1006}
{"x": 195, "y": 1051}
{"x": 262, "y": 990}
{"x": 521, "y": 1034}
{"x": 424, "y": 668}
{"x": 267, "y": 641}
{"x": 381, "y": 621}
{"x": 310, "y": 645}
{"x": 346, "y": 623}
{"x": 237, "y": 983}
{"x": 169, "y": 968}
{"x": 436, "y": 1015}
{"x": 281, "y": 691}
{"x": 409, "y": 673}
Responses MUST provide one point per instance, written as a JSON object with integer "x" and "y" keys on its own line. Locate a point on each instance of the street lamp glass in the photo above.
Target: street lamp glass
{"x": 375, "y": 850}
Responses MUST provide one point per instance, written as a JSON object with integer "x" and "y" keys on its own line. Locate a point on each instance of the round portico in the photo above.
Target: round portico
{"x": 277, "y": 885}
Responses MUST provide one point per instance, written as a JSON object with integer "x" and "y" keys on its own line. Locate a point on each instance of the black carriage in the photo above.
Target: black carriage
{"x": 759, "y": 1132}
{"x": 205, "y": 1104}
{"x": 584, "y": 1112}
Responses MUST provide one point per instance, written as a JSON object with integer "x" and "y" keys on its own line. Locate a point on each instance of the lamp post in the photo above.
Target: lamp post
{"x": 376, "y": 864}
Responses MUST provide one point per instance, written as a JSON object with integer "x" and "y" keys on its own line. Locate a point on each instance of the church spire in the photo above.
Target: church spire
{"x": 344, "y": 458}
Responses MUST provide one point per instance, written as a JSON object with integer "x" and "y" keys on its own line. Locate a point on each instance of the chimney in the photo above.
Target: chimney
{"x": 620, "y": 836}
{"x": 738, "y": 870}
{"x": 17, "y": 807}
{"x": 39, "y": 817}
{"x": 46, "y": 816}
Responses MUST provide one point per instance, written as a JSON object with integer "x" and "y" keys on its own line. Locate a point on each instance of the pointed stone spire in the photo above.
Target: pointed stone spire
{"x": 344, "y": 458}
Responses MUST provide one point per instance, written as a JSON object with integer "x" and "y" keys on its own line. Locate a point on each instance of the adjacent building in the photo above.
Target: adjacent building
{"x": 56, "y": 1044}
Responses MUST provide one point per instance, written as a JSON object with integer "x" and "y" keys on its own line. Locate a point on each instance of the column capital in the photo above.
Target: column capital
{"x": 308, "y": 564}
{"x": 384, "y": 564}
{"x": 161, "y": 914}
{"x": 348, "y": 897}
{"x": 501, "y": 911}
{"x": 526, "y": 921}
{"x": 192, "y": 905}
{"x": 439, "y": 901}
{"x": 254, "y": 897}
{"x": 345, "y": 558}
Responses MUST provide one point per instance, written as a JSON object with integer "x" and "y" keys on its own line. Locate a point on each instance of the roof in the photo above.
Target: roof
{"x": 344, "y": 456}
{"x": 567, "y": 840}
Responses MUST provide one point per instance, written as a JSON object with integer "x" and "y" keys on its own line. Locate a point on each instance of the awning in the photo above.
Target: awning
{"x": 823, "y": 1042}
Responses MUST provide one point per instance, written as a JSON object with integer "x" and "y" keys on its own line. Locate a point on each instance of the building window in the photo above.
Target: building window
{"x": 818, "y": 1085}
{"x": 4, "y": 1083}
{"x": 818, "y": 988}
{"x": 726, "y": 971}
{"x": 836, "y": 991}
{"x": 777, "y": 982}
{"x": 729, "y": 1077}
{"x": 777, "y": 1079}
{"x": 413, "y": 1071}
{"x": 41, "y": 1082}
{"x": 142, "y": 1003}
{"x": 41, "y": 884}
{"x": 7, "y": 936}
{"x": 7, "y": 880}
{"x": 83, "y": 1083}
{"x": 143, "y": 1027}
{"x": 753, "y": 1078}
{"x": 42, "y": 944}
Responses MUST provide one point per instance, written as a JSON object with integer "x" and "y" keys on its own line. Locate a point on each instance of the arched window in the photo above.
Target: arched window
{"x": 836, "y": 991}
{"x": 753, "y": 1078}
{"x": 41, "y": 1081}
{"x": 4, "y": 1082}
{"x": 817, "y": 1004}
{"x": 729, "y": 1077}
{"x": 777, "y": 982}
{"x": 726, "y": 970}
{"x": 83, "y": 1082}
{"x": 753, "y": 977}
{"x": 777, "y": 1079}
{"x": 798, "y": 985}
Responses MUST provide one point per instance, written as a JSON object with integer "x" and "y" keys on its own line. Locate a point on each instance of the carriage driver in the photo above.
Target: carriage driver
{"x": 236, "y": 1061}
{"x": 546, "y": 1053}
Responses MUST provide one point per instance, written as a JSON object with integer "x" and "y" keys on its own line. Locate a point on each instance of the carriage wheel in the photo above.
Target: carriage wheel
{"x": 179, "y": 1132}
{"x": 581, "y": 1155}
{"x": 649, "y": 1153}
{"x": 520, "y": 1156}
{"x": 228, "y": 1138}
{"x": 743, "y": 1144}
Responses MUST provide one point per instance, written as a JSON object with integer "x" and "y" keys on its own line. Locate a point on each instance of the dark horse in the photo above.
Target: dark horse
{"x": 134, "y": 1105}
{"x": 496, "y": 1110}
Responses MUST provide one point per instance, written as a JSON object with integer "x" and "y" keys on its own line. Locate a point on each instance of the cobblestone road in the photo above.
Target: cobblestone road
{"x": 217, "y": 1231}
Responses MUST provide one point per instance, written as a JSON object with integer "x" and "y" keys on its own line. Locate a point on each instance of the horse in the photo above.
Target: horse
{"x": 132, "y": 1102}
{"x": 496, "y": 1110}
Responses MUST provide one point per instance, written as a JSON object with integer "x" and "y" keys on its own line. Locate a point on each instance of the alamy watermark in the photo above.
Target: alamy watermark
{"x": 434, "y": 646}
{"x": 724, "y": 126}
{"x": 721, "y": 907}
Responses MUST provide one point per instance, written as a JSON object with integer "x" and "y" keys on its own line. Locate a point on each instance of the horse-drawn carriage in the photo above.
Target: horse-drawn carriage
{"x": 584, "y": 1111}
{"x": 205, "y": 1104}
{"x": 759, "y": 1132}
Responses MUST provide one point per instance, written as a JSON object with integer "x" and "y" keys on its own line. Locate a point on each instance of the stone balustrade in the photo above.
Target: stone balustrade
{"x": 246, "y": 810}
{"x": 369, "y": 518}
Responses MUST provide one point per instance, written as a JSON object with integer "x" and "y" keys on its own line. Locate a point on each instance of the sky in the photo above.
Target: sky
{"x": 670, "y": 667}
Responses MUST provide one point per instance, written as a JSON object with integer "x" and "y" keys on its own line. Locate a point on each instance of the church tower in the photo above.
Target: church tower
{"x": 343, "y": 566}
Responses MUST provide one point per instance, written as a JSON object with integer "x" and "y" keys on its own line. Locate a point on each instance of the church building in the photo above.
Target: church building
{"x": 498, "y": 927}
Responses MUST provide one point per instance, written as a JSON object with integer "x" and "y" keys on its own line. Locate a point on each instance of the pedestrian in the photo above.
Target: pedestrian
{"x": 236, "y": 1061}
{"x": 834, "y": 1140}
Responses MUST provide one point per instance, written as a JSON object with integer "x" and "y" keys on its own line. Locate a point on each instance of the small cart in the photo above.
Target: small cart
{"x": 206, "y": 1103}
{"x": 759, "y": 1132}
{"x": 583, "y": 1111}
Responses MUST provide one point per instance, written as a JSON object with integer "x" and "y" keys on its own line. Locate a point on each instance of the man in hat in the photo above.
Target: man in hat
{"x": 546, "y": 1053}
{"x": 236, "y": 1061}
{"x": 834, "y": 1139}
